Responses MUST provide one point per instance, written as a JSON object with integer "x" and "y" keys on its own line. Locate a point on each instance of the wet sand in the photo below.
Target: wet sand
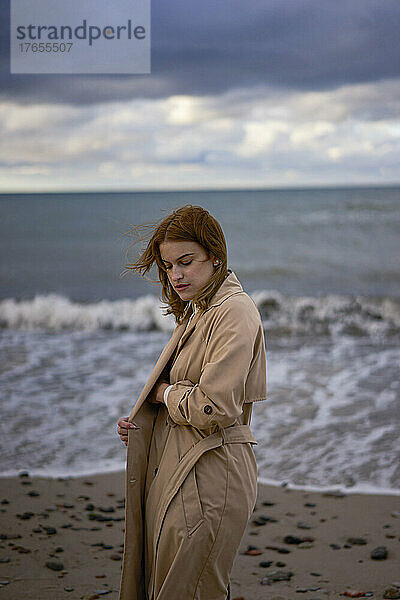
{"x": 63, "y": 538}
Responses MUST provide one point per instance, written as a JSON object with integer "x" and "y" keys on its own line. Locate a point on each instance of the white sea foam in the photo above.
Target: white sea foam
{"x": 59, "y": 313}
{"x": 68, "y": 371}
{"x": 332, "y": 315}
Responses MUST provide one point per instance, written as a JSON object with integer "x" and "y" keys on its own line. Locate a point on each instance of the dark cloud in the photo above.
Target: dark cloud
{"x": 210, "y": 47}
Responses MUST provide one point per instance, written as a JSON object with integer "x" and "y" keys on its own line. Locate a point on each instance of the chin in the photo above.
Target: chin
{"x": 185, "y": 295}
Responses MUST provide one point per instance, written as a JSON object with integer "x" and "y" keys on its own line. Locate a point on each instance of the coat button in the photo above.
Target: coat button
{"x": 207, "y": 409}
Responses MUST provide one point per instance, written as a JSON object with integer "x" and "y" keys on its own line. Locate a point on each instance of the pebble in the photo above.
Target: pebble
{"x": 334, "y": 546}
{"x": 392, "y": 592}
{"x": 379, "y": 553}
{"x": 6, "y": 559}
{"x": 259, "y": 522}
{"x": 306, "y": 545}
{"x": 395, "y": 514}
{"x": 26, "y": 515}
{"x": 353, "y": 594}
{"x": 310, "y": 504}
{"x": 54, "y": 565}
{"x": 21, "y": 550}
{"x": 33, "y": 493}
{"x": 292, "y": 539}
{"x": 50, "y": 530}
{"x": 302, "y": 525}
{"x": 262, "y": 520}
{"x": 267, "y": 503}
{"x": 265, "y": 563}
{"x": 96, "y": 517}
{"x": 69, "y": 589}
{"x": 4, "y": 582}
{"x": 23, "y": 474}
{"x": 115, "y": 557}
{"x": 106, "y": 509}
{"x": 278, "y": 549}
{"x": 276, "y": 576}
{"x": 280, "y": 564}
{"x": 5, "y": 501}
{"x": 357, "y": 541}
{"x": 251, "y": 551}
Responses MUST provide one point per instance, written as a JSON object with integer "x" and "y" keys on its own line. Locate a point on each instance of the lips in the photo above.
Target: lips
{"x": 181, "y": 287}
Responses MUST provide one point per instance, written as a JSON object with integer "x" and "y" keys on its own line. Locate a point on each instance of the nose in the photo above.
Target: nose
{"x": 176, "y": 273}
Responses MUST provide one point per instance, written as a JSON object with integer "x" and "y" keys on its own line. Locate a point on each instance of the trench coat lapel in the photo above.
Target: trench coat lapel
{"x": 187, "y": 332}
{"x": 230, "y": 286}
{"x": 158, "y": 368}
{"x": 178, "y": 338}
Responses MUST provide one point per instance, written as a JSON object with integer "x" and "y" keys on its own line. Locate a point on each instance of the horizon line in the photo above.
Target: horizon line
{"x": 207, "y": 190}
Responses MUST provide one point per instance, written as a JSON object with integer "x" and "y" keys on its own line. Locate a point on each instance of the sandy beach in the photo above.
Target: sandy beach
{"x": 63, "y": 538}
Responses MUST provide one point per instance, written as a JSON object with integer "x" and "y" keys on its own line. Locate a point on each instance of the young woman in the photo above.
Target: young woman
{"x": 191, "y": 479}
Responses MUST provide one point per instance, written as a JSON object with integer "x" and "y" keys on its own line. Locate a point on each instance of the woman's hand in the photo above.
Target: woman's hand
{"x": 122, "y": 428}
{"x": 158, "y": 396}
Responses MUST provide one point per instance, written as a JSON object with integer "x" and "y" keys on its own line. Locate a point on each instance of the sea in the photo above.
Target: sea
{"x": 79, "y": 334}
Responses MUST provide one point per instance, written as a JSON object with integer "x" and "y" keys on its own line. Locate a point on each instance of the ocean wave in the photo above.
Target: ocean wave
{"x": 282, "y": 315}
{"x": 57, "y": 313}
{"x": 328, "y": 315}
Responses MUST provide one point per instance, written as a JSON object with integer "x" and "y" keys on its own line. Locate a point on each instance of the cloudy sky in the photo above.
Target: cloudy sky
{"x": 267, "y": 93}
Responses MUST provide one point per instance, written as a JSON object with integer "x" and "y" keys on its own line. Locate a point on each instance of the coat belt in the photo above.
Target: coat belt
{"x": 236, "y": 434}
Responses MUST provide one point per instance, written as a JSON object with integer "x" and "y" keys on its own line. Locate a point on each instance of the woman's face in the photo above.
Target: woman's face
{"x": 188, "y": 267}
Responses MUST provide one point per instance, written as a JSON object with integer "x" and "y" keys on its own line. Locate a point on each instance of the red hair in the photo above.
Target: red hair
{"x": 187, "y": 223}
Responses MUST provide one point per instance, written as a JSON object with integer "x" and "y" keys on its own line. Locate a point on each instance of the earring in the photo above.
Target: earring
{"x": 216, "y": 263}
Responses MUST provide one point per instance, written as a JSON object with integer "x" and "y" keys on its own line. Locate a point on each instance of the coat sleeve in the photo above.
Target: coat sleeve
{"x": 218, "y": 396}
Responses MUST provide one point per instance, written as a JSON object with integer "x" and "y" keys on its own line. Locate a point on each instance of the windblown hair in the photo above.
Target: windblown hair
{"x": 187, "y": 223}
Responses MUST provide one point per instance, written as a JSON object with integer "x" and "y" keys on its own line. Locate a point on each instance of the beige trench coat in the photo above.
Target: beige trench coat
{"x": 191, "y": 474}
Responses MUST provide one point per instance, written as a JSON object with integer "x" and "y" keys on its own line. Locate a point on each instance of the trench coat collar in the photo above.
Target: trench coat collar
{"x": 231, "y": 285}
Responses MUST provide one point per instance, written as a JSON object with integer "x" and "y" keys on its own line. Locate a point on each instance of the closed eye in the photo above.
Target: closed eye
{"x": 168, "y": 267}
